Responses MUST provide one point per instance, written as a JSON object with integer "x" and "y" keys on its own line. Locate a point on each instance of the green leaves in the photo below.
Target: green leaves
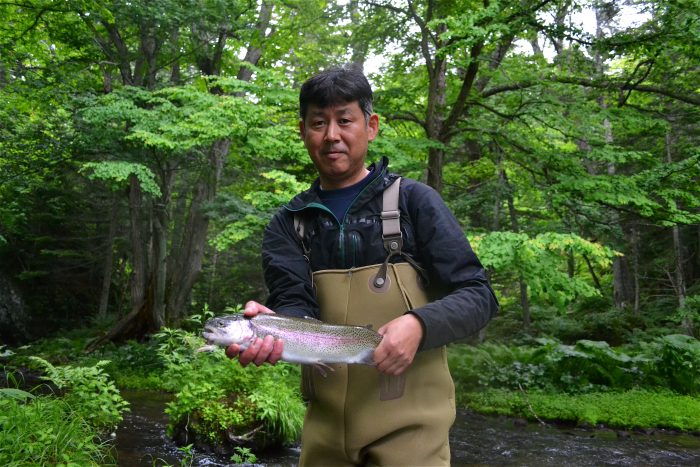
{"x": 173, "y": 120}
{"x": 117, "y": 173}
{"x": 542, "y": 262}
{"x": 667, "y": 363}
{"x": 280, "y": 188}
{"x": 90, "y": 392}
{"x": 13, "y": 393}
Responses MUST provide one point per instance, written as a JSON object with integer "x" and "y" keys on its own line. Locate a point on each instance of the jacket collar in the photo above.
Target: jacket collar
{"x": 310, "y": 196}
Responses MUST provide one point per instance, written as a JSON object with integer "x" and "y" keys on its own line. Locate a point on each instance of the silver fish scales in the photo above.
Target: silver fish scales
{"x": 306, "y": 340}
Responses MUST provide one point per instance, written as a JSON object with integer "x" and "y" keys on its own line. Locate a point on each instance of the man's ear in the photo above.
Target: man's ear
{"x": 373, "y": 126}
{"x": 302, "y": 129}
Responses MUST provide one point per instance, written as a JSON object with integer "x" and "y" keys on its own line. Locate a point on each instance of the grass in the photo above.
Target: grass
{"x": 45, "y": 431}
{"x": 635, "y": 409}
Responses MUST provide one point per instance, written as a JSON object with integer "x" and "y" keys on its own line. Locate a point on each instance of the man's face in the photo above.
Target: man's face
{"x": 336, "y": 138}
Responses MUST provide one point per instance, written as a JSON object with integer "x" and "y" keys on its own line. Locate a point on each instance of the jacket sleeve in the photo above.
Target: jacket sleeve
{"x": 287, "y": 272}
{"x": 467, "y": 300}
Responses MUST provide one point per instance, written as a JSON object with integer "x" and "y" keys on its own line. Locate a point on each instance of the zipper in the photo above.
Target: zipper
{"x": 353, "y": 238}
{"x": 342, "y": 248}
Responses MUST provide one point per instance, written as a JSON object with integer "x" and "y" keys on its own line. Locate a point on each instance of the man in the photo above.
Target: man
{"x": 337, "y": 253}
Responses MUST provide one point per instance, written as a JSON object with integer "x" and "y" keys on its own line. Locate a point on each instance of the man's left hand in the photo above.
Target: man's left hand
{"x": 400, "y": 341}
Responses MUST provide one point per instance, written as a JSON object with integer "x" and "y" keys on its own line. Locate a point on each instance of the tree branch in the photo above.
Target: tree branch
{"x": 467, "y": 85}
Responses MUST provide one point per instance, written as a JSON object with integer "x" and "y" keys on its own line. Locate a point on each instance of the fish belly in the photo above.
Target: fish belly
{"x": 295, "y": 353}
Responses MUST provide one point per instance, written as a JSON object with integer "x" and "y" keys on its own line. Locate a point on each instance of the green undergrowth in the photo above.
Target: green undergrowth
{"x": 665, "y": 363}
{"x": 216, "y": 403}
{"x": 652, "y": 384}
{"x": 219, "y": 403}
{"x": 66, "y": 420}
{"x": 634, "y": 409}
{"x": 46, "y": 431}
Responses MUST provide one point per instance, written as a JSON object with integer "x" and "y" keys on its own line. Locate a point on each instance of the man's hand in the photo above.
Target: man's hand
{"x": 260, "y": 350}
{"x": 400, "y": 341}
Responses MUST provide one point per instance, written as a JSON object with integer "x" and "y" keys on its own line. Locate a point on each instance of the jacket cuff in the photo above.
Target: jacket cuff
{"x": 422, "y": 325}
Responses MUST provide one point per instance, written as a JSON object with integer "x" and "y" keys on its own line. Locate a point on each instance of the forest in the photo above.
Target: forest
{"x": 144, "y": 146}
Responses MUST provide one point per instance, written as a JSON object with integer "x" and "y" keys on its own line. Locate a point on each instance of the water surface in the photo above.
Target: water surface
{"x": 475, "y": 440}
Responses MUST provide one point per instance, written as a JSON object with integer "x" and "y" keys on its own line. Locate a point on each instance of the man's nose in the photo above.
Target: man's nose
{"x": 332, "y": 132}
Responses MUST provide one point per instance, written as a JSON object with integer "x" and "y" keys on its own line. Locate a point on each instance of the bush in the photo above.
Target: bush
{"x": 222, "y": 404}
{"x": 89, "y": 391}
{"x": 669, "y": 362}
{"x": 674, "y": 362}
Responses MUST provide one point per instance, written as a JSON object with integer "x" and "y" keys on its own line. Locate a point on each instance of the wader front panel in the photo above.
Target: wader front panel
{"x": 356, "y": 415}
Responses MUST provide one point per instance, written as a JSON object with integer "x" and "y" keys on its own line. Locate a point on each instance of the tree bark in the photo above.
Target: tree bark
{"x": 188, "y": 265}
{"x": 139, "y": 262}
{"x": 255, "y": 48}
{"x": 109, "y": 259}
{"x": 161, "y": 224}
{"x": 515, "y": 227}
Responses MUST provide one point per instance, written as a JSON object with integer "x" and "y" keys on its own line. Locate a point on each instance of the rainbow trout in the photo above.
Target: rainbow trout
{"x": 306, "y": 340}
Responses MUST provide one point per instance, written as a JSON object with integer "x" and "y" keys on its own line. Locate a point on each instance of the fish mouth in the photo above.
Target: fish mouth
{"x": 212, "y": 333}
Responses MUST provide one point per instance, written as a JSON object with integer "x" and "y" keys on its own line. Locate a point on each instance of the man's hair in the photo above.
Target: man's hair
{"x": 340, "y": 85}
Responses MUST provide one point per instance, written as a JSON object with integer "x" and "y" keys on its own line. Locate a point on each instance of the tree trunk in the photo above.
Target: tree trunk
{"x": 139, "y": 258}
{"x": 434, "y": 123}
{"x": 436, "y": 161}
{"x": 189, "y": 263}
{"x": 109, "y": 259}
{"x": 141, "y": 320}
{"x": 679, "y": 285}
{"x": 515, "y": 227}
{"x": 255, "y": 48}
{"x": 357, "y": 45}
{"x": 594, "y": 276}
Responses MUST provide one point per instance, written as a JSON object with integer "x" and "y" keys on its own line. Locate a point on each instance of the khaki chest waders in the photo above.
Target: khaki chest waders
{"x": 355, "y": 414}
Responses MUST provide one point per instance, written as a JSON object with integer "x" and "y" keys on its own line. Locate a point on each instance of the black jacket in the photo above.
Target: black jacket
{"x": 463, "y": 299}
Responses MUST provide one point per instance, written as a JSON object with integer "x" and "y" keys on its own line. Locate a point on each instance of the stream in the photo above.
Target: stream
{"x": 475, "y": 440}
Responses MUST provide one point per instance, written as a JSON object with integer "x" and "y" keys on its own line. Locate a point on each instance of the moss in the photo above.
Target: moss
{"x": 635, "y": 409}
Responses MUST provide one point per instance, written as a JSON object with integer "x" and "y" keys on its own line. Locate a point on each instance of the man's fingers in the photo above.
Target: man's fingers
{"x": 233, "y": 350}
{"x": 249, "y": 354}
{"x": 253, "y": 308}
{"x": 392, "y": 366}
{"x": 264, "y": 350}
{"x": 258, "y": 352}
{"x": 277, "y": 349}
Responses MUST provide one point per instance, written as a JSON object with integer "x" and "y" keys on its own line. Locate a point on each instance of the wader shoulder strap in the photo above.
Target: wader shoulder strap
{"x": 391, "y": 234}
{"x": 391, "y": 218}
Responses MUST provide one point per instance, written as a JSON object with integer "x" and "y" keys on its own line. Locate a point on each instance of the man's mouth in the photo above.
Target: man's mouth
{"x": 334, "y": 153}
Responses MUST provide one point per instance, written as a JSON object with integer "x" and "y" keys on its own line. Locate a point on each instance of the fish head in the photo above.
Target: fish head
{"x": 227, "y": 330}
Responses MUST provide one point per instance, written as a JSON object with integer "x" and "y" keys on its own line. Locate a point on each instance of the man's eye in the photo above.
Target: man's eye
{"x": 344, "y": 121}
{"x": 317, "y": 124}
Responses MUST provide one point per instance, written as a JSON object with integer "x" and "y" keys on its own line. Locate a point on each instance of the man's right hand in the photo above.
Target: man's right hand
{"x": 260, "y": 350}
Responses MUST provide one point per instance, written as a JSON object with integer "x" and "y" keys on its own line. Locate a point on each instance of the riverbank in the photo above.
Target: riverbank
{"x": 637, "y": 409}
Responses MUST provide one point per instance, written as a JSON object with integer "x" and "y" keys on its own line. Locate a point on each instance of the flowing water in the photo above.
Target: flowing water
{"x": 475, "y": 440}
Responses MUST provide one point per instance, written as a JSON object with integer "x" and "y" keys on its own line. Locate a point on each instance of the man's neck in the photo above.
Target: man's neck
{"x": 326, "y": 186}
